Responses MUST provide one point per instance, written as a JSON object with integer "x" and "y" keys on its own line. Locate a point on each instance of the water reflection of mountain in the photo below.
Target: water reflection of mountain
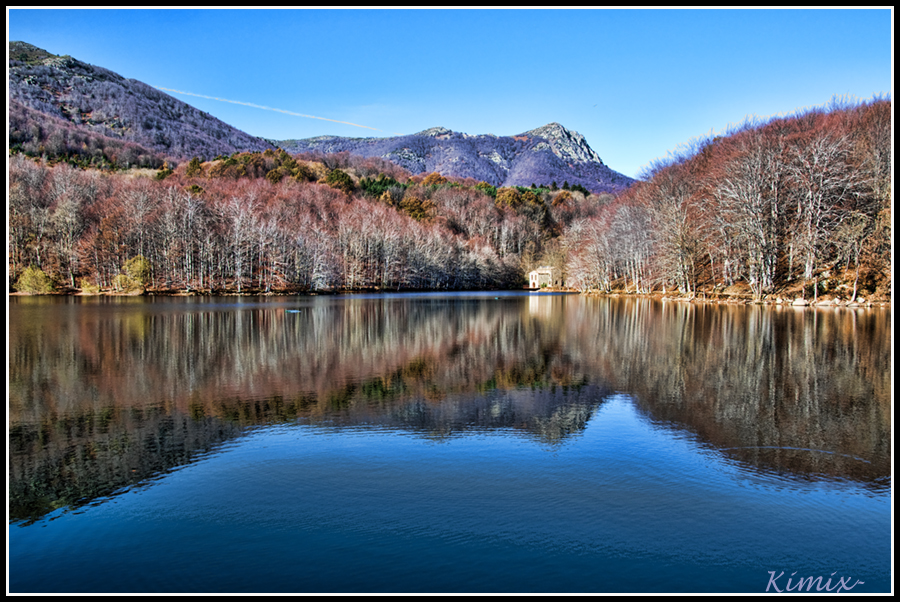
{"x": 548, "y": 415}
{"x": 105, "y": 394}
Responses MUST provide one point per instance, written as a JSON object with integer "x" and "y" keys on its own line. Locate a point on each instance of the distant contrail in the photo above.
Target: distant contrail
{"x": 250, "y": 104}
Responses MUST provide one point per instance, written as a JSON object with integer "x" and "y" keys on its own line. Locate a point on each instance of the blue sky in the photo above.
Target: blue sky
{"x": 636, "y": 83}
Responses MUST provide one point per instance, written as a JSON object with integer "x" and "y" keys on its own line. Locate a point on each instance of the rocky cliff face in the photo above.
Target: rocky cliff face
{"x": 540, "y": 156}
{"x": 567, "y": 145}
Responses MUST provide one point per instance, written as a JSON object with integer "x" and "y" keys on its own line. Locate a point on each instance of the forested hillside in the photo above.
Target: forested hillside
{"x": 37, "y": 134}
{"x": 794, "y": 206}
{"x": 66, "y": 94}
{"x": 274, "y": 222}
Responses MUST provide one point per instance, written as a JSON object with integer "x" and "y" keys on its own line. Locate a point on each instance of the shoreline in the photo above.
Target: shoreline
{"x": 744, "y": 299}
{"x": 702, "y": 297}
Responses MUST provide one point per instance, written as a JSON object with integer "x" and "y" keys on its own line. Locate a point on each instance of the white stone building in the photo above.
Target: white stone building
{"x": 545, "y": 276}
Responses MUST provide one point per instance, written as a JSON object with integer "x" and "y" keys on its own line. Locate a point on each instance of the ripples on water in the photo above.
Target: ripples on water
{"x": 494, "y": 443}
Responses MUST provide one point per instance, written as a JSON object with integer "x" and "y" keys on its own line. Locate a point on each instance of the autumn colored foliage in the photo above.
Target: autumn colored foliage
{"x": 794, "y": 206}
{"x": 270, "y": 221}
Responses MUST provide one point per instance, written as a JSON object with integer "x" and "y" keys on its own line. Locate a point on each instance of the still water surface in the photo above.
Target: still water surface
{"x": 445, "y": 443}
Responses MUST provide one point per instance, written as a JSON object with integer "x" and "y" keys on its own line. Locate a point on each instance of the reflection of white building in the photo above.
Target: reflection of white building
{"x": 541, "y": 306}
{"x": 545, "y": 276}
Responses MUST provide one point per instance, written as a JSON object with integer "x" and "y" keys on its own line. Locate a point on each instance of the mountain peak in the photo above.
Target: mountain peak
{"x": 552, "y": 128}
{"x": 550, "y": 153}
{"x": 565, "y": 144}
{"x": 434, "y": 132}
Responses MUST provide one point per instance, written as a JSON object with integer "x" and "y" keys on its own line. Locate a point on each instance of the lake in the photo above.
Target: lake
{"x": 470, "y": 442}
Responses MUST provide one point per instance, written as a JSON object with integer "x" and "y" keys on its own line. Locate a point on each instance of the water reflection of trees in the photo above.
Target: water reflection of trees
{"x": 102, "y": 397}
{"x": 106, "y": 395}
{"x": 766, "y": 385}
{"x": 71, "y": 460}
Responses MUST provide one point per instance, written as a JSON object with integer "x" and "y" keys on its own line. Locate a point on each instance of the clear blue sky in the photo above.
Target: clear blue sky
{"x": 636, "y": 83}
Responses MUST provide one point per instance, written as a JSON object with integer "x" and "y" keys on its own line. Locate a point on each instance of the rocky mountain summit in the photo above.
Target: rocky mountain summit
{"x": 541, "y": 156}
{"x": 567, "y": 145}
